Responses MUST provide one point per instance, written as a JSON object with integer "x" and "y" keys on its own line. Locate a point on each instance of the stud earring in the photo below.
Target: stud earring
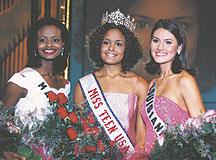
{"x": 35, "y": 53}
{"x": 62, "y": 52}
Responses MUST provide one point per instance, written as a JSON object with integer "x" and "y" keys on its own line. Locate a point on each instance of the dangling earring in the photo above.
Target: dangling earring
{"x": 35, "y": 53}
{"x": 62, "y": 52}
{"x": 178, "y": 52}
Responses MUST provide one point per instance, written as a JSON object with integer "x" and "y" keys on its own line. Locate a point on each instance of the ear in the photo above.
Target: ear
{"x": 179, "y": 49}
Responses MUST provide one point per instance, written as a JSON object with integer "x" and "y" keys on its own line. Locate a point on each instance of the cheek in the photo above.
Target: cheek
{"x": 122, "y": 51}
{"x": 103, "y": 47}
{"x": 40, "y": 45}
{"x": 153, "y": 47}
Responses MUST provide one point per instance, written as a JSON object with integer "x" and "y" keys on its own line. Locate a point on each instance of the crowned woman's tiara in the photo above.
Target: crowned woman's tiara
{"x": 118, "y": 18}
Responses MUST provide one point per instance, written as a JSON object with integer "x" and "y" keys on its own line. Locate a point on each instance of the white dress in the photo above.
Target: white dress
{"x": 34, "y": 106}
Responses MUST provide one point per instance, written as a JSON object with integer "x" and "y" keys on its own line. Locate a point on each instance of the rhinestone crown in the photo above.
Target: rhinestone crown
{"x": 118, "y": 18}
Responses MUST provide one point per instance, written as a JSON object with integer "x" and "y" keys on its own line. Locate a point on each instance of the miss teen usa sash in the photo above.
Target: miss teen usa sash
{"x": 36, "y": 80}
{"x": 102, "y": 111}
{"x": 157, "y": 124}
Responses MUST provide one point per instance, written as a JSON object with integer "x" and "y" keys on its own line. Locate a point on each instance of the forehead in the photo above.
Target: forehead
{"x": 163, "y": 34}
{"x": 49, "y": 29}
{"x": 157, "y": 9}
{"x": 114, "y": 33}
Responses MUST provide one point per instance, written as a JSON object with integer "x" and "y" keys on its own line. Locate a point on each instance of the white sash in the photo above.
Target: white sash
{"x": 102, "y": 111}
{"x": 157, "y": 123}
{"x": 37, "y": 80}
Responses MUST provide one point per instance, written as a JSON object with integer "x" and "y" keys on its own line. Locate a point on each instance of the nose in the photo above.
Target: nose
{"x": 49, "y": 43}
{"x": 111, "y": 47}
{"x": 160, "y": 46}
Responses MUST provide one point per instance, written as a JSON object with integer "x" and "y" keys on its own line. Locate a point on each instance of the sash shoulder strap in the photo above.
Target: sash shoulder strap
{"x": 36, "y": 80}
{"x": 103, "y": 112}
{"x": 156, "y": 122}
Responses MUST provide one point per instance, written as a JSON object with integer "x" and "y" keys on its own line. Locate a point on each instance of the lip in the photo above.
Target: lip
{"x": 160, "y": 54}
{"x": 111, "y": 54}
{"x": 49, "y": 51}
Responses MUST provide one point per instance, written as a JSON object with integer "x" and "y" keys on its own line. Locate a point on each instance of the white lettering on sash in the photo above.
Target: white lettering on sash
{"x": 155, "y": 120}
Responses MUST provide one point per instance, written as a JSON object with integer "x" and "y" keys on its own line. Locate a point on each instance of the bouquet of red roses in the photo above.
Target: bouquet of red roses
{"x": 85, "y": 138}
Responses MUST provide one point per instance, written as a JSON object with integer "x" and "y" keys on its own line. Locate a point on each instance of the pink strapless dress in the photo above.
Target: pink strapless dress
{"x": 124, "y": 107}
{"x": 168, "y": 111}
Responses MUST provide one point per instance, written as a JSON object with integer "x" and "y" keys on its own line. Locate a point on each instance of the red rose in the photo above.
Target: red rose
{"x": 73, "y": 117}
{"x": 86, "y": 127}
{"x": 90, "y": 119}
{"x": 62, "y": 112}
{"x": 83, "y": 120}
{"x": 112, "y": 143}
{"x": 95, "y": 130}
{"x": 90, "y": 148}
{"x": 62, "y": 99}
{"x": 72, "y": 134}
{"x": 100, "y": 146}
{"x": 76, "y": 148}
{"x": 52, "y": 96}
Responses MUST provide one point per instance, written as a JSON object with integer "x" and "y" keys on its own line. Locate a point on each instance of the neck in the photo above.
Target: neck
{"x": 111, "y": 70}
{"x": 46, "y": 68}
{"x": 165, "y": 72}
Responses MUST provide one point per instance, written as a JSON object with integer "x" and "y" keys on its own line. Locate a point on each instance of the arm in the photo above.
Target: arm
{"x": 12, "y": 94}
{"x": 78, "y": 97}
{"x": 140, "y": 126}
{"x": 191, "y": 95}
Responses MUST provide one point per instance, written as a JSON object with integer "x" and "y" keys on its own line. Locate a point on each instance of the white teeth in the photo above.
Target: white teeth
{"x": 111, "y": 55}
{"x": 49, "y": 51}
{"x": 160, "y": 54}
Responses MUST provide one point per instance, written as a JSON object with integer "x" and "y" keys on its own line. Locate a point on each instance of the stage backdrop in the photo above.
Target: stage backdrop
{"x": 198, "y": 17}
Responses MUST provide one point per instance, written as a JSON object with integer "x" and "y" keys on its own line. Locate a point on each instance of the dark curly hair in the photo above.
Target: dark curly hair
{"x": 60, "y": 63}
{"x": 133, "y": 50}
{"x": 179, "y": 62}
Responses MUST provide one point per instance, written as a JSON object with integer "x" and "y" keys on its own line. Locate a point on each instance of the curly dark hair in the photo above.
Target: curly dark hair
{"x": 133, "y": 50}
{"x": 179, "y": 62}
{"x": 60, "y": 63}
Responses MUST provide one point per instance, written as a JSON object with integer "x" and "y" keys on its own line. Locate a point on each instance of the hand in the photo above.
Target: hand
{"x": 13, "y": 156}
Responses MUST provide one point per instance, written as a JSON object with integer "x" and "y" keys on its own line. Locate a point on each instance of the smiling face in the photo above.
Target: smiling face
{"x": 148, "y": 12}
{"x": 113, "y": 47}
{"x": 49, "y": 42}
{"x": 164, "y": 47}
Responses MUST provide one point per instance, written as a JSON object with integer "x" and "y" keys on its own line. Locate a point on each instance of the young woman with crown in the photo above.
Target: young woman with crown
{"x": 113, "y": 92}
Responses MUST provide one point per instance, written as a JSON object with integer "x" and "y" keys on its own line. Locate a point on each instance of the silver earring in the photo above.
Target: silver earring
{"x": 35, "y": 53}
{"x": 62, "y": 52}
{"x": 178, "y": 52}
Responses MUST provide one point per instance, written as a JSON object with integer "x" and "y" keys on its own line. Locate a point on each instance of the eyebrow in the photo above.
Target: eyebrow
{"x": 184, "y": 18}
{"x": 175, "y": 18}
{"x": 143, "y": 17}
{"x": 46, "y": 37}
{"x": 116, "y": 40}
{"x": 165, "y": 39}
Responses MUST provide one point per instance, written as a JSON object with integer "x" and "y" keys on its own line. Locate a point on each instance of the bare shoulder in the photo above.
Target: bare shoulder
{"x": 142, "y": 82}
{"x": 12, "y": 94}
{"x": 142, "y": 86}
{"x": 186, "y": 79}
